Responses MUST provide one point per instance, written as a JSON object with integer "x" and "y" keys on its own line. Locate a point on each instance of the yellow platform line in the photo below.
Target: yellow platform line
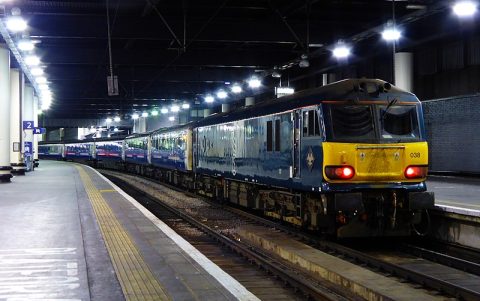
{"x": 136, "y": 279}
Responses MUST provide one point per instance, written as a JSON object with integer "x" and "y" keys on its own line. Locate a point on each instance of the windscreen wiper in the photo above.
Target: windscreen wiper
{"x": 389, "y": 105}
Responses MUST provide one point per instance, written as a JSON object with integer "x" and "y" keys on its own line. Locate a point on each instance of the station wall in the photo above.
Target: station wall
{"x": 453, "y": 133}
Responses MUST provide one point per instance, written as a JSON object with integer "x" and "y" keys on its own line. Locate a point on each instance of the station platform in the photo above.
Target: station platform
{"x": 453, "y": 194}
{"x": 68, "y": 234}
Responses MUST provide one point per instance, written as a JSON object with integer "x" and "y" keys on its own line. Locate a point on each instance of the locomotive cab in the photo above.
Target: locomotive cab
{"x": 375, "y": 162}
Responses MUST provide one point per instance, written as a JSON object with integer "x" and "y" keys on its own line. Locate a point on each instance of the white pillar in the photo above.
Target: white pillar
{"x": 28, "y": 134}
{"x": 249, "y": 101}
{"x": 324, "y": 79}
{"x": 5, "y": 168}
{"x": 404, "y": 70}
{"x": 16, "y": 141}
{"x": 225, "y": 107}
{"x": 35, "y": 137}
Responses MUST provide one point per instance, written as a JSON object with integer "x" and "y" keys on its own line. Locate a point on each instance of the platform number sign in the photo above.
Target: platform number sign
{"x": 28, "y": 125}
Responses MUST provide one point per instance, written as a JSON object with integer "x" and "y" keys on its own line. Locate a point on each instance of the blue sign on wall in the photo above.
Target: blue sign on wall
{"x": 28, "y": 125}
{"x": 38, "y": 131}
{"x": 28, "y": 148}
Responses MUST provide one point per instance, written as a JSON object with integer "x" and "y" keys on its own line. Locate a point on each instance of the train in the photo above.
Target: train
{"x": 348, "y": 159}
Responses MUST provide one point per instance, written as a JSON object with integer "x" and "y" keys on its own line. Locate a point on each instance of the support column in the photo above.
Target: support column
{"x": 249, "y": 101}
{"x": 5, "y": 168}
{"x": 225, "y": 107}
{"x": 16, "y": 142}
{"x": 35, "y": 137}
{"x": 404, "y": 70}
{"x": 28, "y": 133}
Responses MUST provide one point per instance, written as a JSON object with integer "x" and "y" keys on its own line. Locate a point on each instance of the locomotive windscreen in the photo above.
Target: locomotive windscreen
{"x": 372, "y": 123}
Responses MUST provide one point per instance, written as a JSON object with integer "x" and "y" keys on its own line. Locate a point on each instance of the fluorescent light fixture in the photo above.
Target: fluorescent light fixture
{"x": 41, "y": 80}
{"x": 465, "y": 8}
{"x": 254, "y": 83}
{"x": 117, "y": 119}
{"x": 25, "y": 45}
{"x": 108, "y": 120}
{"x": 174, "y": 108}
{"x": 284, "y": 90}
{"x": 209, "y": 99}
{"x": 164, "y": 111}
{"x": 36, "y": 71}
{"x": 154, "y": 113}
{"x": 32, "y": 60}
{"x": 391, "y": 34}
{"x": 16, "y": 24}
{"x": 115, "y": 129}
{"x": 46, "y": 97}
{"x": 171, "y": 118}
{"x": 185, "y": 106}
{"x": 341, "y": 51}
{"x": 222, "y": 94}
{"x": 135, "y": 116}
{"x": 43, "y": 87}
{"x": 145, "y": 114}
{"x": 236, "y": 88}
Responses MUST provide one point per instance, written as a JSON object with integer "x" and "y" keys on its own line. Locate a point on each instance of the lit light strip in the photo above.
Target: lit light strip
{"x": 13, "y": 48}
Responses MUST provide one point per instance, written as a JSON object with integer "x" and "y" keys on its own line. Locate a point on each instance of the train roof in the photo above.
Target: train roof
{"x": 348, "y": 89}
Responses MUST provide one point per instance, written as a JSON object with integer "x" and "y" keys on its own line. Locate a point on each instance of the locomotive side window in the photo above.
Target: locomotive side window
{"x": 277, "y": 135}
{"x": 311, "y": 126}
{"x": 269, "y": 136}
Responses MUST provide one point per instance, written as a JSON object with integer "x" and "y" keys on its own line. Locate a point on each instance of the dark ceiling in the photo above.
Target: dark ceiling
{"x": 183, "y": 49}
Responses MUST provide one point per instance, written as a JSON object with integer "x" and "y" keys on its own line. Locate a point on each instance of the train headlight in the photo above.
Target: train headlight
{"x": 416, "y": 172}
{"x": 339, "y": 172}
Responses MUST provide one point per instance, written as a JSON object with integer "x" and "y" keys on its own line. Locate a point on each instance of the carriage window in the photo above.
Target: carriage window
{"x": 269, "y": 136}
{"x": 277, "y": 135}
{"x": 311, "y": 126}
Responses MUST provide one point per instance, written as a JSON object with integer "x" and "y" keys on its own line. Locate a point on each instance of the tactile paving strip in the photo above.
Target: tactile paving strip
{"x": 136, "y": 279}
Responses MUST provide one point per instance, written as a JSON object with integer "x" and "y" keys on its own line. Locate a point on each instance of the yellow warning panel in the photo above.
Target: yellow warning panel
{"x": 136, "y": 279}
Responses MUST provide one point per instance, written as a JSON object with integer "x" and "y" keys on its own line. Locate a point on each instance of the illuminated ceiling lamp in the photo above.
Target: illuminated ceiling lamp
{"x": 209, "y": 99}
{"x": 185, "y": 106}
{"x": 135, "y": 116}
{"x": 341, "y": 50}
{"x": 254, "y": 83}
{"x": 16, "y": 23}
{"x": 391, "y": 33}
{"x": 25, "y": 45}
{"x": 174, "y": 108}
{"x": 117, "y": 119}
{"x": 236, "y": 88}
{"x": 222, "y": 94}
{"x": 464, "y": 8}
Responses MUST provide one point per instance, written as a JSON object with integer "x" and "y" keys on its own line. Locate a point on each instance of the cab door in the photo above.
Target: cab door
{"x": 296, "y": 143}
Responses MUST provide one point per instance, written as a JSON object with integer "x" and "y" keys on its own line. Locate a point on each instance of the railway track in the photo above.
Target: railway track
{"x": 263, "y": 276}
{"x": 437, "y": 276}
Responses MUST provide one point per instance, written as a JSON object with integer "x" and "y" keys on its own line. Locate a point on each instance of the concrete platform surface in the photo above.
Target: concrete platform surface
{"x": 456, "y": 194}
{"x": 67, "y": 233}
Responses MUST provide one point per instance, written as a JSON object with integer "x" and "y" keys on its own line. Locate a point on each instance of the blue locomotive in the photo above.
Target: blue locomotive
{"x": 349, "y": 158}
